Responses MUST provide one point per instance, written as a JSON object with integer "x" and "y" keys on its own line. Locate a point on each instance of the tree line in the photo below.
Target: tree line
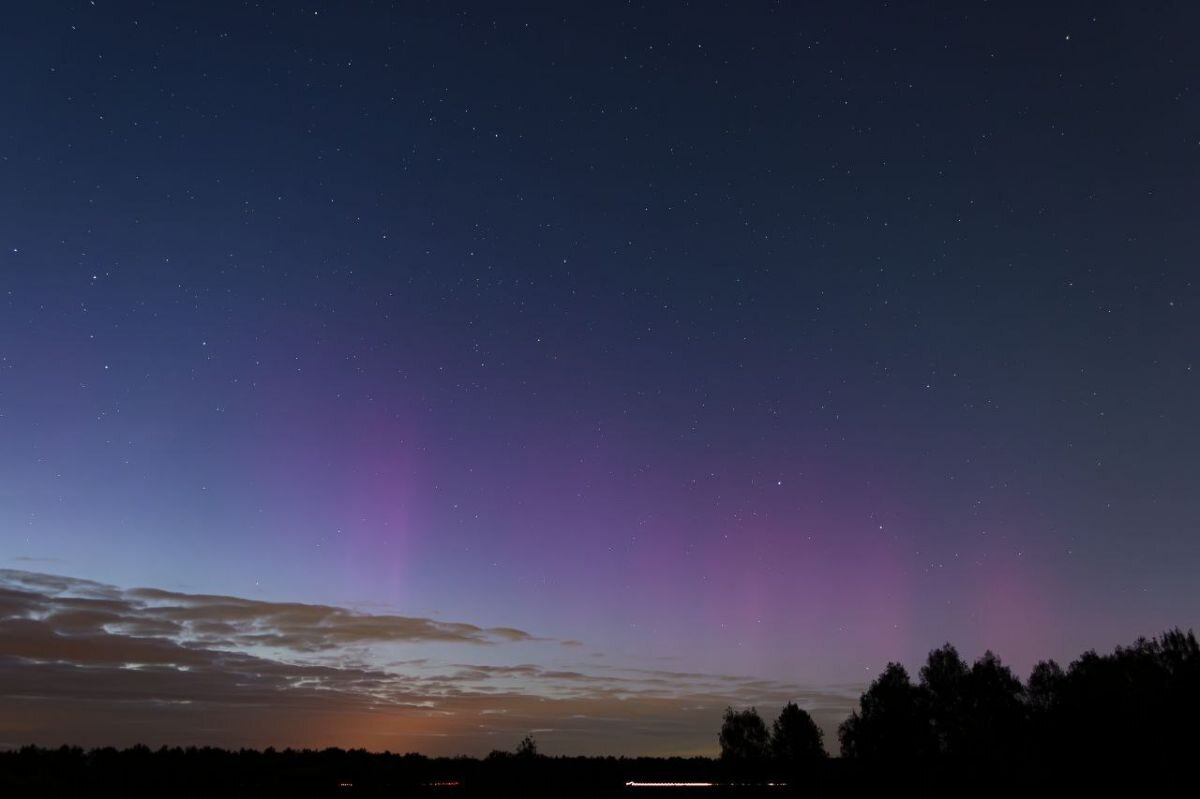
{"x": 1139, "y": 706}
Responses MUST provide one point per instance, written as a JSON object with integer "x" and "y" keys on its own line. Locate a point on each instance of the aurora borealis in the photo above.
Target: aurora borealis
{"x": 460, "y": 371}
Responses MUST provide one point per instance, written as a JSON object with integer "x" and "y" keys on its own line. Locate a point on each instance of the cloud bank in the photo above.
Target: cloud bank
{"x": 92, "y": 664}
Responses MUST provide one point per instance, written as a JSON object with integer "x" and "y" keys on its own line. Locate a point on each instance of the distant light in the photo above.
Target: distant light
{"x": 635, "y": 784}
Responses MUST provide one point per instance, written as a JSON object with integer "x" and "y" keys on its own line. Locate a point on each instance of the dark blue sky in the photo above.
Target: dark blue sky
{"x": 764, "y": 339}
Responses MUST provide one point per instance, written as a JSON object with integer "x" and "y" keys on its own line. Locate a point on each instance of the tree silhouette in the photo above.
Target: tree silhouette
{"x": 1138, "y": 704}
{"x": 795, "y": 737}
{"x": 1043, "y": 699}
{"x": 973, "y": 714}
{"x": 1045, "y": 686}
{"x": 994, "y": 711}
{"x": 527, "y": 749}
{"x": 745, "y": 744}
{"x": 1123, "y": 716}
{"x": 942, "y": 685}
{"x": 891, "y": 723}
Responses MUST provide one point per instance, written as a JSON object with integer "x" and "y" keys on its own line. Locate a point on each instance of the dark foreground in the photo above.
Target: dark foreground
{"x": 193, "y": 772}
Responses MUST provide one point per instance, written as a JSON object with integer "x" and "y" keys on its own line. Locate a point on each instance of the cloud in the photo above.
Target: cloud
{"x": 232, "y": 621}
{"x": 86, "y": 663}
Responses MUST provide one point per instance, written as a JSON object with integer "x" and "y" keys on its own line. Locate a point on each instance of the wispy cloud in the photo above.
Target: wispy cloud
{"x": 230, "y": 621}
{"x": 89, "y": 663}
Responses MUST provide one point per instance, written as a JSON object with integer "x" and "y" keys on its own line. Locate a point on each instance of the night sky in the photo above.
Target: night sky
{"x": 582, "y": 368}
